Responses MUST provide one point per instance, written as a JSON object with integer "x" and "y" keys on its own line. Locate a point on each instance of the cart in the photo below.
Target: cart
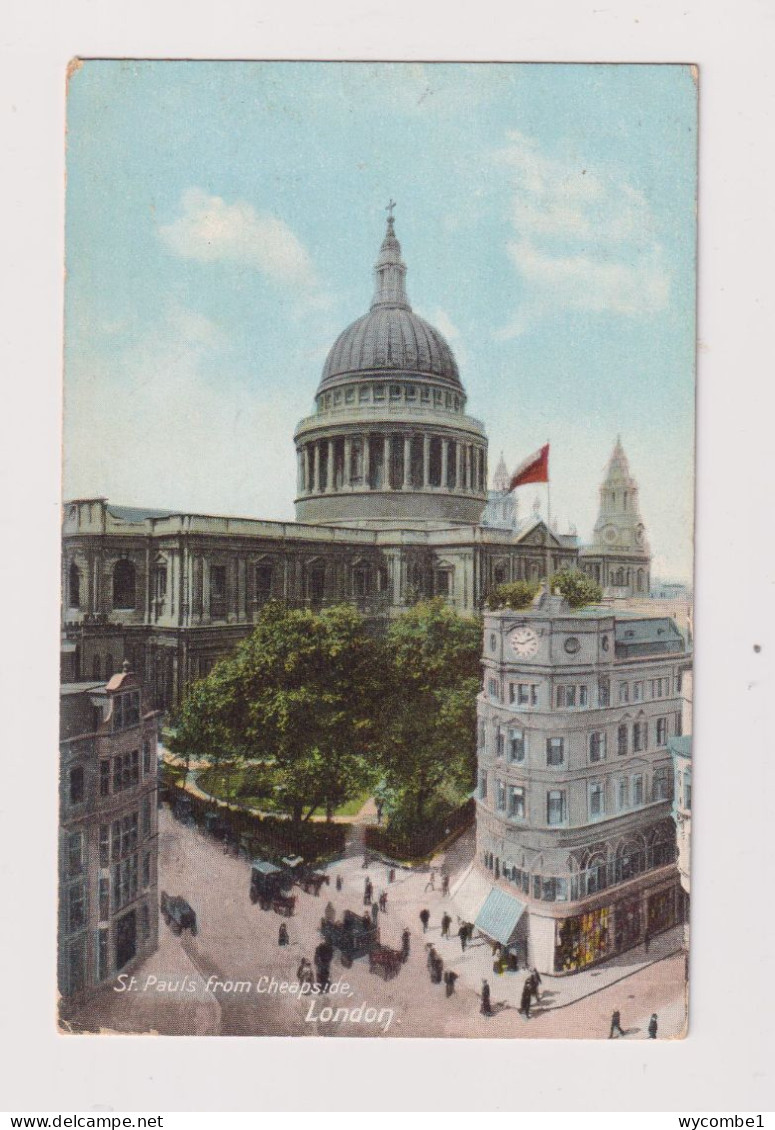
{"x": 354, "y": 936}
{"x": 178, "y": 914}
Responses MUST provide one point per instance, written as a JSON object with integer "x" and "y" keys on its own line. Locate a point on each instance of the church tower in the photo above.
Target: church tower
{"x": 619, "y": 557}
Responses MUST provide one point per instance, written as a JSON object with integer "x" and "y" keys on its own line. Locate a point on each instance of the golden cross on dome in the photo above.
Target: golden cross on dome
{"x": 389, "y": 208}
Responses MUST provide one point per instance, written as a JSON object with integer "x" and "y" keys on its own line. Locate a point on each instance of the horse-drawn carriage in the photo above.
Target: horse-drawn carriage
{"x": 304, "y": 875}
{"x": 385, "y": 961}
{"x": 354, "y": 937}
{"x": 269, "y": 885}
{"x": 178, "y": 914}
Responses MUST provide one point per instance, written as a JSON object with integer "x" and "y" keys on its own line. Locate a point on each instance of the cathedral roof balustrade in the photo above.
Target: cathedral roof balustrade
{"x": 372, "y": 414}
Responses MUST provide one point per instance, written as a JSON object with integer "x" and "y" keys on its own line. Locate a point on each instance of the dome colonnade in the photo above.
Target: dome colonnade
{"x": 390, "y": 438}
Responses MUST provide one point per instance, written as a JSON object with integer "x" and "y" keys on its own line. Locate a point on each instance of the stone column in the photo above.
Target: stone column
{"x": 444, "y": 463}
{"x": 348, "y": 452}
{"x": 386, "y": 463}
{"x": 426, "y": 461}
{"x": 307, "y": 470}
{"x": 407, "y": 462}
{"x": 299, "y": 472}
{"x": 317, "y": 467}
{"x": 330, "y": 467}
{"x": 366, "y": 461}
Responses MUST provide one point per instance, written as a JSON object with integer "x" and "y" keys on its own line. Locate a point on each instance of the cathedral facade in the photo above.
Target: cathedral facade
{"x": 392, "y": 506}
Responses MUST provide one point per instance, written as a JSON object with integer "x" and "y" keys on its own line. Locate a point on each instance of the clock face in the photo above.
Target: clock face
{"x": 572, "y": 645}
{"x": 524, "y": 642}
{"x": 609, "y": 534}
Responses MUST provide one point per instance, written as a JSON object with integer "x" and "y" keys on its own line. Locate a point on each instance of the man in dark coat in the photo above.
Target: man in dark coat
{"x": 374, "y": 913}
{"x": 446, "y": 922}
{"x": 653, "y": 1026}
{"x": 282, "y": 937}
{"x": 486, "y": 1006}
{"x": 616, "y": 1025}
{"x": 405, "y": 945}
{"x": 463, "y": 935}
{"x": 424, "y": 918}
{"x": 449, "y": 982}
{"x": 527, "y": 994}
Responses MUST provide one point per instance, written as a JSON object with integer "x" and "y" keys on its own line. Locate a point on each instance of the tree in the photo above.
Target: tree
{"x": 428, "y": 718}
{"x": 517, "y": 594}
{"x": 577, "y": 588}
{"x": 299, "y": 694}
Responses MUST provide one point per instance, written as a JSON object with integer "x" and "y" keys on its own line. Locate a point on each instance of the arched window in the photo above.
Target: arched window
{"x": 124, "y": 584}
{"x": 630, "y": 860}
{"x": 74, "y": 586}
{"x": 596, "y": 874}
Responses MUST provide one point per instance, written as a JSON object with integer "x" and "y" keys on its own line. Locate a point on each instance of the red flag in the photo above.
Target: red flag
{"x": 534, "y": 469}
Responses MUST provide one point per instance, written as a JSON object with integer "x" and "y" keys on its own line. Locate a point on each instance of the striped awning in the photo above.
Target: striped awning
{"x": 499, "y": 916}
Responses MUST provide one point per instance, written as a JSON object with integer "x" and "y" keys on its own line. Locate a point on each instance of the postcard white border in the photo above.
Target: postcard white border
{"x": 724, "y": 1065}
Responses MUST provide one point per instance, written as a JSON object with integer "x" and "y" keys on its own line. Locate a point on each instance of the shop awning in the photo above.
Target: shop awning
{"x": 470, "y": 893}
{"x": 499, "y": 916}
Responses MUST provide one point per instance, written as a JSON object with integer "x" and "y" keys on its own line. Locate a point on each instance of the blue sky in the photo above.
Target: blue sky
{"x": 222, "y": 224}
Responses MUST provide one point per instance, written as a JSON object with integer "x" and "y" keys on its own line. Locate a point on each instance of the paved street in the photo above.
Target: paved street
{"x": 238, "y": 942}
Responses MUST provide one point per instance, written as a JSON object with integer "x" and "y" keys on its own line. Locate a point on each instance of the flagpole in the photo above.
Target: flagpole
{"x": 548, "y": 535}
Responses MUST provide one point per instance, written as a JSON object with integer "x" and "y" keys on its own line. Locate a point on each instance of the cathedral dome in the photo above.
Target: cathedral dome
{"x": 391, "y": 339}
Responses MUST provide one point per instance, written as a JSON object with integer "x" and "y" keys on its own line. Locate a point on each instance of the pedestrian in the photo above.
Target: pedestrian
{"x": 430, "y": 956}
{"x": 405, "y": 945}
{"x": 323, "y": 957}
{"x": 424, "y": 918}
{"x": 392, "y": 875}
{"x": 536, "y": 979}
{"x": 379, "y": 811}
{"x": 431, "y": 884}
{"x": 374, "y": 913}
{"x": 437, "y": 969}
{"x": 485, "y": 1007}
{"x": 527, "y": 993}
{"x": 383, "y": 901}
{"x": 368, "y": 892}
{"x": 339, "y": 882}
{"x": 449, "y": 982}
{"x": 445, "y": 885}
{"x": 329, "y": 913}
{"x": 282, "y": 937}
{"x": 446, "y": 922}
{"x": 616, "y": 1024}
{"x": 653, "y": 1026}
{"x": 463, "y": 935}
{"x": 304, "y": 972}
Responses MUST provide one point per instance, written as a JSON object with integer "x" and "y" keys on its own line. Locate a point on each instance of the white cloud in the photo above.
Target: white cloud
{"x": 441, "y": 320}
{"x": 584, "y": 238}
{"x": 211, "y": 230}
{"x": 163, "y": 423}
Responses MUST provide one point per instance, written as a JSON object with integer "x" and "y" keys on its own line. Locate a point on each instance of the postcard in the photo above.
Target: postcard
{"x": 377, "y": 549}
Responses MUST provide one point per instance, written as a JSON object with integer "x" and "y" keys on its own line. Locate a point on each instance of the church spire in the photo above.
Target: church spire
{"x": 390, "y": 269}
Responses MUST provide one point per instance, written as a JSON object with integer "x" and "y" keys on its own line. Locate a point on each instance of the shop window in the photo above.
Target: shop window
{"x": 555, "y": 751}
{"x": 77, "y": 784}
{"x": 124, "y": 584}
{"x": 582, "y": 940}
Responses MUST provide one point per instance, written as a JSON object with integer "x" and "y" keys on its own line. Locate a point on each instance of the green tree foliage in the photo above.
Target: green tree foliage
{"x": 299, "y": 695}
{"x": 577, "y": 588}
{"x": 428, "y": 719}
{"x": 517, "y": 594}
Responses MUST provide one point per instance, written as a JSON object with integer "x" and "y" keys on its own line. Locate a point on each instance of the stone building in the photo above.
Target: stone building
{"x": 575, "y": 853}
{"x": 108, "y": 897}
{"x": 681, "y": 752}
{"x": 392, "y": 485}
{"x": 619, "y": 558}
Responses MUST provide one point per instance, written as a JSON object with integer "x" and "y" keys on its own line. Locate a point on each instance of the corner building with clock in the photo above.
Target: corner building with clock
{"x": 575, "y": 845}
